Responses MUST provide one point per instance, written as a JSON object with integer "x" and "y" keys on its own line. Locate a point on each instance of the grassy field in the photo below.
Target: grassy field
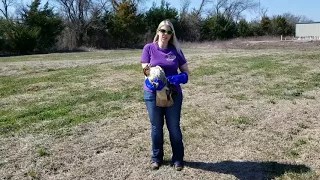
{"x": 248, "y": 113}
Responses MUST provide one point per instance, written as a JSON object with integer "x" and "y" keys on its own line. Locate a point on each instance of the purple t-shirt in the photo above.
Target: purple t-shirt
{"x": 168, "y": 59}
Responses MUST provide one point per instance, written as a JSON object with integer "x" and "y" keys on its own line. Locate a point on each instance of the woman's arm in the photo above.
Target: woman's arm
{"x": 185, "y": 68}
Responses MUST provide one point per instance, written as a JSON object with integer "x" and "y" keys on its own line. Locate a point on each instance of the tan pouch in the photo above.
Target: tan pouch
{"x": 164, "y": 98}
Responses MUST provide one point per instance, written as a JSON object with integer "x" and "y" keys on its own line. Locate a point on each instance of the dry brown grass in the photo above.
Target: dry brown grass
{"x": 236, "y": 124}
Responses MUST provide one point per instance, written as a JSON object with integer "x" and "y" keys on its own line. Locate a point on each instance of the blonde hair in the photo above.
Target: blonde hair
{"x": 173, "y": 40}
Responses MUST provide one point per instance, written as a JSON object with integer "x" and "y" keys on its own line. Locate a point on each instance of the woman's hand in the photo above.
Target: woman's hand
{"x": 181, "y": 78}
{"x": 155, "y": 85}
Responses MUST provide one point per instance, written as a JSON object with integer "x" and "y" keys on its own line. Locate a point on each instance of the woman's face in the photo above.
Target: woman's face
{"x": 165, "y": 33}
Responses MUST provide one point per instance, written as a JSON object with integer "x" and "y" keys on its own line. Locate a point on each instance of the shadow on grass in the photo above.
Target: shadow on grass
{"x": 250, "y": 170}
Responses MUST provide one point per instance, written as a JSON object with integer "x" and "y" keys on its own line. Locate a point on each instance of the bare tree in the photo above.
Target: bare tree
{"x": 220, "y": 4}
{"x": 293, "y": 19}
{"x": 185, "y": 4}
{"x": 6, "y": 4}
{"x": 233, "y": 9}
{"x": 263, "y": 12}
{"x": 80, "y": 14}
{"x": 201, "y": 7}
{"x": 190, "y": 20}
{"x": 184, "y": 7}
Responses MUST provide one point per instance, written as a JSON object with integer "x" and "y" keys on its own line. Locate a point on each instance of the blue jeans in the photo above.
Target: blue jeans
{"x": 172, "y": 116}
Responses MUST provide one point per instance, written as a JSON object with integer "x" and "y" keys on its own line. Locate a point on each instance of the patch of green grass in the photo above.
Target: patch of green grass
{"x": 71, "y": 106}
{"x": 270, "y": 68}
{"x": 299, "y": 142}
{"x": 42, "y": 151}
{"x": 32, "y": 174}
{"x": 63, "y": 110}
{"x": 239, "y": 97}
{"x": 293, "y": 153}
{"x": 252, "y": 62}
{"x": 272, "y": 101}
{"x": 265, "y": 64}
{"x": 26, "y": 68}
{"x": 241, "y": 121}
{"x": 287, "y": 171}
{"x": 293, "y": 92}
{"x": 297, "y": 78}
{"x": 292, "y": 89}
{"x": 133, "y": 67}
{"x": 19, "y": 85}
{"x": 199, "y": 116}
{"x": 295, "y": 72}
{"x": 74, "y": 56}
{"x": 259, "y": 65}
{"x": 305, "y": 56}
{"x": 51, "y": 69}
{"x": 275, "y": 90}
{"x": 201, "y": 124}
{"x": 299, "y": 176}
{"x": 262, "y": 65}
{"x": 315, "y": 80}
{"x": 207, "y": 71}
{"x": 202, "y": 83}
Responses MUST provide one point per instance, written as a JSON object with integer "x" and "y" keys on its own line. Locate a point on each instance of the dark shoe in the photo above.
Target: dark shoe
{"x": 178, "y": 167}
{"x": 155, "y": 166}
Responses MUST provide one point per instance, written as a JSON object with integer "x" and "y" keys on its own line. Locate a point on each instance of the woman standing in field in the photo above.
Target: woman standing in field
{"x": 165, "y": 52}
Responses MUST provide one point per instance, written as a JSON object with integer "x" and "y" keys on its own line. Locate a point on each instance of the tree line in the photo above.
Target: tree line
{"x": 107, "y": 24}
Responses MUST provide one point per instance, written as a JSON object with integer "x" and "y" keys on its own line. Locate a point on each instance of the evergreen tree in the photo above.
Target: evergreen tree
{"x": 157, "y": 14}
{"x": 44, "y": 19}
{"x": 218, "y": 27}
{"x": 281, "y": 26}
{"x": 126, "y": 26}
{"x": 244, "y": 28}
{"x": 266, "y": 25}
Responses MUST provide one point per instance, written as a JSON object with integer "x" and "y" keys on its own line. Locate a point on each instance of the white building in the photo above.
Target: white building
{"x": 308, "y": 30}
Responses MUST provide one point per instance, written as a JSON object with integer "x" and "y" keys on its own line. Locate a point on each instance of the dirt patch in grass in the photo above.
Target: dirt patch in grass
{"x": 247, "y": 114}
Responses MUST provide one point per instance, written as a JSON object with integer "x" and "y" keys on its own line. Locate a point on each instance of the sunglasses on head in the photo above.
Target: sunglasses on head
{"x": 166, "y": 31}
